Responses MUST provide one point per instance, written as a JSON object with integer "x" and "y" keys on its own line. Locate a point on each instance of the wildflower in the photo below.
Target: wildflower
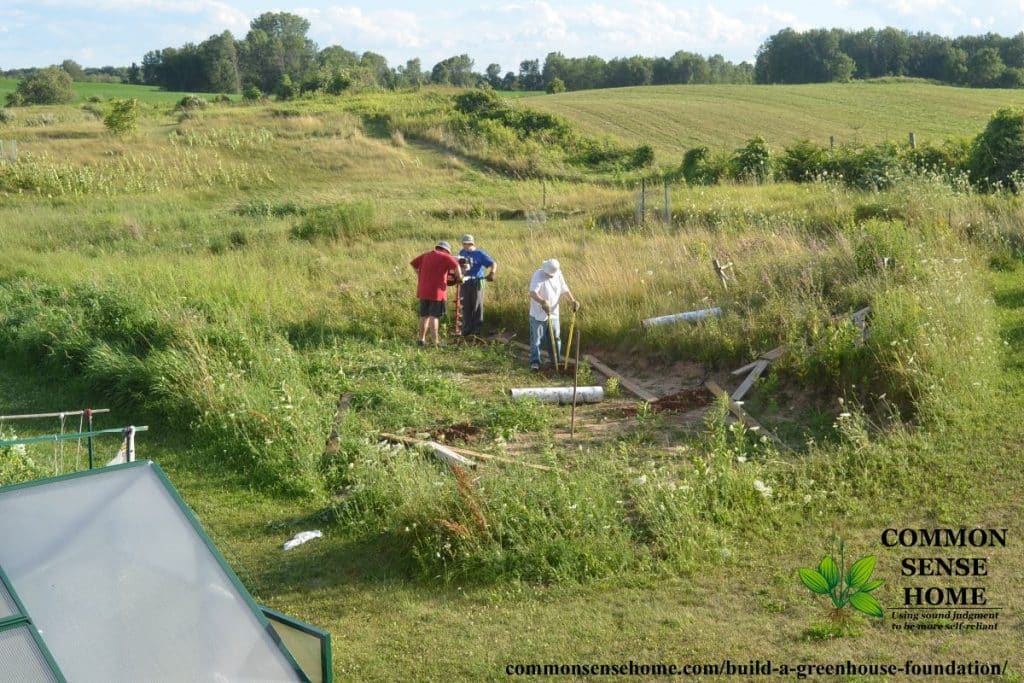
{"x": 807, "y": 498}
{"x": 741, "y": 458}
{"x": 762, "y": 488}
{"x": 641, "y": 480}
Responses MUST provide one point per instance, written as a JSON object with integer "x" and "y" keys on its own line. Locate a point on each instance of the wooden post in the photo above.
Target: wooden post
{"x": 544, "y": 190}
{"x": 913, "y": 140}
{"x": 832, "y": 142}
{"x": 643, "y": 201}
{"x": 668, "y": 205}
{"x": 575, "y": 383}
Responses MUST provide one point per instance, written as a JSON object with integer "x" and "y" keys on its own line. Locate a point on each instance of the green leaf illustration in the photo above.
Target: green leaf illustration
{"x": 860, "y": 572}
{"x": 815, "y": 581}
{"x": 867, "y": 588}
{"x": 862, "y": 602}
{"x": 829, "y": 571}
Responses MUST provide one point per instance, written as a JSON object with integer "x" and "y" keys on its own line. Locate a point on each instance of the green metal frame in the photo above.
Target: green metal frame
{"x": 176, "y": 497}
{"x": 24, "y": 619}
{"x": 66, "y": 437}
{"x": 325, "y": 638}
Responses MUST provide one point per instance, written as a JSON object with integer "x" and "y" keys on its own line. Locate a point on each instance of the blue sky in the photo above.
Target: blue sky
{"x": 118, "y": 32}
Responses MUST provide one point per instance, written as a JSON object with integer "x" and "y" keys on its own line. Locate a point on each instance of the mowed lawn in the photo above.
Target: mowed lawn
{"x": 676, "y": 118}
{"x": 149, "y": 94}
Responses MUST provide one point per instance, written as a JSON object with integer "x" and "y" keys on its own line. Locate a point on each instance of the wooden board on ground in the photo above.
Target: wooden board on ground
{"x": 625, "y": 382}
{"x": 744, "y": 416}
{"x": 755, "y": 372}
{"x": 409, "y": 441}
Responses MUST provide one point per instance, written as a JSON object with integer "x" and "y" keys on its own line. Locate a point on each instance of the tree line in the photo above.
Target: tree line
{"x": 276, "y": 56}
{"x": 829, "y": 55}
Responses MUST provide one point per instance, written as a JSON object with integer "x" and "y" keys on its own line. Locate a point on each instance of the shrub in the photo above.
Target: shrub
{"x": 335, "y": 222}
{"x": 286, "y": 89}
{"x": 252, "y": 94}
{"x": 997, "y": 155}
{"x": 6, "y": 116}
{"x": 752, "y": 162}
{"x": 803, "y": 162}
{"x": 192, "y": 102}
{"x": 700, "y": 168}
{"x": 46, "y": 86}
{"x": 480, "y": 103}
{"x": 642, "y": 156}
{"x": 870, "y": 168}
{"x": 556, "y": 85}
{"x": 123, "y": 117}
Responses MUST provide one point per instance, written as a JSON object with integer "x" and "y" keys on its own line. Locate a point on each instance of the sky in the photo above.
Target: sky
{"x": 119, "y": 32}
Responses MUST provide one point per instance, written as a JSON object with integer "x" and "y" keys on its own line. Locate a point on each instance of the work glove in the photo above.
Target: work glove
{"x": 546, "y": 307}
{"x": 490, "y": 277}
{"x": 575, "y": 306}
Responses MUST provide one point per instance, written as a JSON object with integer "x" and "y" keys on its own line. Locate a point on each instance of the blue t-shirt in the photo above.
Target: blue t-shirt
{"x": 479, "y": 262}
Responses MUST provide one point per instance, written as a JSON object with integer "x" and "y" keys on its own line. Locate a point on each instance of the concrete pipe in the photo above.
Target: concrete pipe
{"x": 560, "y": 394}
{"x": 688, "y": 316}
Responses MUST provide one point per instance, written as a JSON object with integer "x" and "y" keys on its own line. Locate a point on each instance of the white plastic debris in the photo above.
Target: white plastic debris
{"x": 302, "y": 537}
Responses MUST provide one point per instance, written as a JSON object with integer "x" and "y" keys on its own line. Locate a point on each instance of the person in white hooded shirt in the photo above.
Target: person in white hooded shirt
{"x": 547, "y": 287}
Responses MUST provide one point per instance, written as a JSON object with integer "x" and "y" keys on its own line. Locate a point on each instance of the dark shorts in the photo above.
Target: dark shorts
{"x": 431, "y": 309}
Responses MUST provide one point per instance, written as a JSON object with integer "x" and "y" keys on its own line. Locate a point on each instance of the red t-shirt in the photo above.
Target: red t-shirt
{"x": 433, "y": 267}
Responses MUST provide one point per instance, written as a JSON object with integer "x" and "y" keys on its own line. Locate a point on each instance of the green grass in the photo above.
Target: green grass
{"x": 676, "y": 118}
{"x": 146, "y": 94}
{"x": 224, "y": 276}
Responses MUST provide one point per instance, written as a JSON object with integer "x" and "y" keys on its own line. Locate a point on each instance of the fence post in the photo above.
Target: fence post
{"x": 643, "y": 201}
{"x": 668, "y": 205}
{"x": 913, "y": 140}
{"x": 832, "y": 142}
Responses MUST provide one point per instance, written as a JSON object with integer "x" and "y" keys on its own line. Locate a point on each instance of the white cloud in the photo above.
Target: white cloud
{"x": 354, "y": 28}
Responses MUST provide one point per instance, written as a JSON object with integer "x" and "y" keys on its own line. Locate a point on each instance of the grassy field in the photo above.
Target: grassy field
{"x": 108, "y": 91}
{"x": 675, "y": 118}
{"x": 224, "y": 275}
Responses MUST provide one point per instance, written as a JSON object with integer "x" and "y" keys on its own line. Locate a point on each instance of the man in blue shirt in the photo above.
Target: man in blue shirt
{"x": 481, "y": 267}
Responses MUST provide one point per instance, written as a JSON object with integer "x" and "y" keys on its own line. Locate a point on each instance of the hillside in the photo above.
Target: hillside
{"x": 237, "y": 278}
{"x": 675, "y": 118}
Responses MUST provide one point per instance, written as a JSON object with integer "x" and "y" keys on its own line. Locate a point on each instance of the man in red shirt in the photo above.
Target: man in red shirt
{"x": 432, "y": 289}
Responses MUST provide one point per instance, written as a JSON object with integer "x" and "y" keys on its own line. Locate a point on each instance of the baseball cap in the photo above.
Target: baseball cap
{"x": 468, "y": 239}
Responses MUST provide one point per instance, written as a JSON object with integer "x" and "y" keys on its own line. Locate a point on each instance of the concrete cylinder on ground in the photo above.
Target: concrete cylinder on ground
{"x": 688, "y": 316}
{"x": 560, "y": 394}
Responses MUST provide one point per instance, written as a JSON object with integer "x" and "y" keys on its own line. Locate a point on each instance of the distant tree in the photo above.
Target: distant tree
{"x": 46, "y": 86}
{"x": 509, "y": 81}
{"x": 411, "y": 74}
{"x": 123, "y": 117}
{"x": 840, "y": 67}
{"x": 556, "y": 85}
{"x": 493, "y": 76}
{"x": 135, "y": 74}
{"x": 73, "y": 69}
{"x": 335, "y": 57}
{"x": 457, "y": 70}
{"x": 220, "y": 64}
{"x": 252, "y": 94}
{"x": 984, "y": 68}
{"x": 377, "y": 67}
{"x": 529, "y": 75}
{"x": 275, "y": 46}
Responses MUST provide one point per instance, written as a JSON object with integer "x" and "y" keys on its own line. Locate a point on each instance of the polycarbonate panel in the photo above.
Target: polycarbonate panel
{"x": 123, "y": 588}
{"x": 306, "y": 648}
{"x": 20, "y": 658}
{"x": 7, "y": 606}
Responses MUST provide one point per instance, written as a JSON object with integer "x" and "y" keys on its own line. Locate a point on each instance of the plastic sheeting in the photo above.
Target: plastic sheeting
{"x": 121, "y": 582}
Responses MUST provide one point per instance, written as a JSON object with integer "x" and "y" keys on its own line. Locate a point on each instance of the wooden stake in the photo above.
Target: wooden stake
{"x": 741, "y": 391}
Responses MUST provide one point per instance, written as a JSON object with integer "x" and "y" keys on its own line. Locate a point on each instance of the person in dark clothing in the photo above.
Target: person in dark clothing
{"x": 433, "y": 268}
{"x": 481, "y": 267}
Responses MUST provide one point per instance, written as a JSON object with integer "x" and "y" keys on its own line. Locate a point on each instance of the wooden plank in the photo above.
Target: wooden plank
{"x": 409, "y": 441}
{"x": 625, "y": 382}
{"x": 741, "y": 391}
{"x": 772, "y": 355}
{"x": 744, "y": 416}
